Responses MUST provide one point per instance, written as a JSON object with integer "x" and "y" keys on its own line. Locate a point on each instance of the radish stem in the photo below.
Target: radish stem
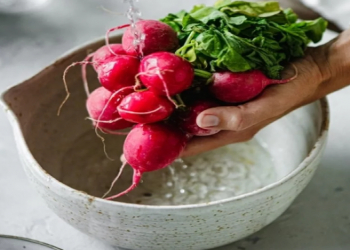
{"x": 135, "y": 181}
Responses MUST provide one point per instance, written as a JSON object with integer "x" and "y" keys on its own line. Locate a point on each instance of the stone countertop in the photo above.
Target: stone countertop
{"x": 318, "y": 220}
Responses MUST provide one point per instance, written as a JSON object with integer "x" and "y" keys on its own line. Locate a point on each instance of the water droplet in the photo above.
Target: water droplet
{"x": 134, "y": 14}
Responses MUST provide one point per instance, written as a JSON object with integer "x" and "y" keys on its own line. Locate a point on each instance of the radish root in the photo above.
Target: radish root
{"x": 166, "y": 89}
{"x": 66, "y": 85}
{"x": 140, "y": 113}
{"x": 96, "y": 127}
{"x": 103, "y": 121}
{"x": 99, "y": 119}
{"x": 179, "y": 99}
{"x": 115, "y": 179}
{"x": 137, "y": 80}
{"x": 111, "y": 12}
{"x": 103, "y": 142}
{"x": 111, "y": 30}
{"x": 107, "y": 131}
{"x": 83, "y": 74}
{"x": 158, "y": 72}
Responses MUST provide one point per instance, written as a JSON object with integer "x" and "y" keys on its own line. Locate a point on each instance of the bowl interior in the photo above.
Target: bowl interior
{"x": 67, "y": 147}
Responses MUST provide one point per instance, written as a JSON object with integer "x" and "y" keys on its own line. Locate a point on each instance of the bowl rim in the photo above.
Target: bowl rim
{"x": 316, "y": 150}
{"x": 4, "y": 236}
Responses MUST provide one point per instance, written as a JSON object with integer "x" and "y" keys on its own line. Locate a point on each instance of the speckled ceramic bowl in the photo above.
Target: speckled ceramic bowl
{"x": 9, "y": 242}
{"x": 63, "y": 159}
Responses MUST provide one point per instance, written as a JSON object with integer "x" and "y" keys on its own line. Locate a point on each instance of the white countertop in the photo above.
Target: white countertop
{"x": 318, "y": 220}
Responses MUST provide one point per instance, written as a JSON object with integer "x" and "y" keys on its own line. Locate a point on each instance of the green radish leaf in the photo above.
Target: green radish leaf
{"x": 313, "y": 29}
{"x": 237, "y": 20}
{"x": 197, "y": 7}
{"x": 190, "y": 55}
{"x": 210, "y": 44}
{"x": 188, "y": 22}
{"x": 233, "y": 61}
{"x": 240, "y": 36}
{"x": 253, "y": 9}
{"x": 208, "y": 14}
{"x": 290, "y": 15}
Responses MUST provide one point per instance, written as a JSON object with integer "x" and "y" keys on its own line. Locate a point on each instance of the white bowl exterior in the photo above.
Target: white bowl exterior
{"x": 202, "y": 226}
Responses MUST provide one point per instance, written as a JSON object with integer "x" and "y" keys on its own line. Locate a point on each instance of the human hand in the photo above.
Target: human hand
{"x": 323, "y": 70}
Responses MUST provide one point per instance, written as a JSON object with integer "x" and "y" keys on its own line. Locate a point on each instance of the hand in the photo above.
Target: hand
{"x": 323, "y": 70}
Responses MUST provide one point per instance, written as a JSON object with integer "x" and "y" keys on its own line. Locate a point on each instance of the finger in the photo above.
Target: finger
{"x": 274, "y": 102}
{"x": 202, "y": 144}
{"x": 199, "y": 145}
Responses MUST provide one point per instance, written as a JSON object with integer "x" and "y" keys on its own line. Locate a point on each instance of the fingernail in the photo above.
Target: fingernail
{"x": 209, "y": 121}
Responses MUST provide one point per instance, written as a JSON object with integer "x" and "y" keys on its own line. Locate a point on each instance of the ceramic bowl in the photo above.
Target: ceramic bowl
{"x": 9, "y": 242}
{"x": 64, "y": 160}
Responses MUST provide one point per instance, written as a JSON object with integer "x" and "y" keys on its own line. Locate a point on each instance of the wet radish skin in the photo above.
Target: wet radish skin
{"x": 177, "y": 73}
{"x": 145, "y": 101}
{"x": 104, "y": 54}
{"x": 118, "y": 72}
{"x": 158, "y": 36}
{"x": 149, "y": 147}
{"x": 96, "y": 103}
{"x": 232, "y": 87}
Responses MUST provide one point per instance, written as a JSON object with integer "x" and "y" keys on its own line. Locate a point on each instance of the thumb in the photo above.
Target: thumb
{"x": 224, "y": 118}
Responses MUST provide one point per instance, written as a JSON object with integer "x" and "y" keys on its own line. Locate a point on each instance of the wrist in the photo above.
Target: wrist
{"x": 336, "y": 63}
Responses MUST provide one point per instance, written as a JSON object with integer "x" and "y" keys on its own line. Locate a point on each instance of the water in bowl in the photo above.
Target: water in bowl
{"x": 223, "y": 173}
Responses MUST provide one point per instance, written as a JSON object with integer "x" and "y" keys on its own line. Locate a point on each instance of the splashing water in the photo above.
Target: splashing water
{"x": 134, "y": 14}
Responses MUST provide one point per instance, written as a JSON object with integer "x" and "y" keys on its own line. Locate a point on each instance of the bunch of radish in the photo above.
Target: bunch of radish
{"x": 144, "y": 88}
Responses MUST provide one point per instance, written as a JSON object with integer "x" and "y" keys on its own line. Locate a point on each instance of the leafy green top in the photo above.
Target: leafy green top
{"x": 240, "y": 36}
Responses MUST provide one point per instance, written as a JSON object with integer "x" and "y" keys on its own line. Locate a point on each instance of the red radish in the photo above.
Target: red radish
{"x": 100, "y": 56}
{"x": 102, "y": 108}
{"x": 157, "y": 36}
{"x": 149, "y": 147}
{"x": 104, "y": 53}
{"x": 188, "y": 123}
{"x": 239, "y": 87}
{"x": 118, "y": 72}
{"x": 145, "y": 107}
{"x": 166, "y": 73}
